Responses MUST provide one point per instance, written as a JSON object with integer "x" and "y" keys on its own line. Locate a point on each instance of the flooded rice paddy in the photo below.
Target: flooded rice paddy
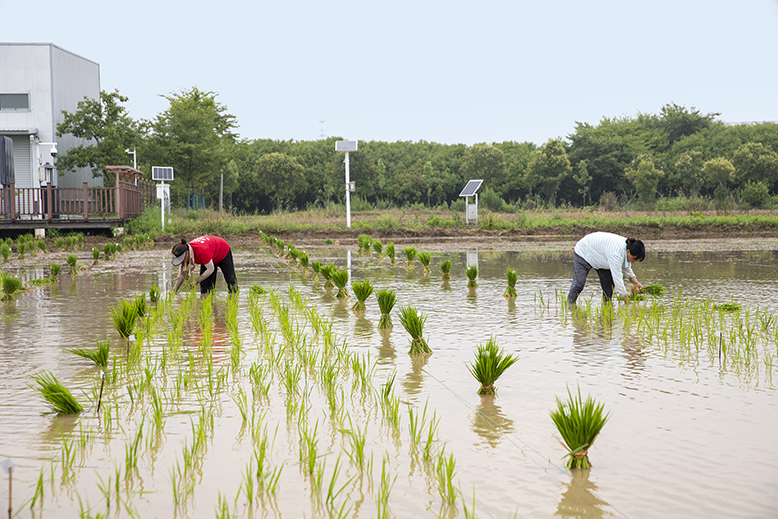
{"x": 279, "y": 404}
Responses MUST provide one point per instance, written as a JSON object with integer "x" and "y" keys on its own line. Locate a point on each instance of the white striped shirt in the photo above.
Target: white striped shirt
{"x": 605, "y": 250}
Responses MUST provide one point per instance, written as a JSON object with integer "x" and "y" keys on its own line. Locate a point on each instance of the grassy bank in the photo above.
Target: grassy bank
{"x": 399, "y": 222}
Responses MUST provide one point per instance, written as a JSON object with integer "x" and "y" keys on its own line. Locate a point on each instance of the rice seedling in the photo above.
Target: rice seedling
{"x": 340, "y": 280}
{"x": 11, "y": 286}
{"x": 512, "y": 278}
{"x": 154, "y": 293}
{"x": 140, "y": 240}
{"x": 39, "y": 488}
{"x": 365, "y": 241}
{"x": 413, "y": 322}
{"x": 386, "y": 301}
{"x": 124, "y": 317}
{"x": 95, "y": 255}
{"x": 390, "y": 252}
{"x": 362, "y": 290}
{"x": 99, "y": 355}
{"x": 128, "y": 242}
{"x": 59, "y": 243}
{"x": 72, "y": 260}
{"x": 384, "y": 489}
{"x": 410, "y": 255}
{"x": 445, "y": 269}
{"x": 431, "y": 430}
{"x": 378, "y": 247}
{"x": 55, "y": 394}
{"x": 141, "y": 308}
{"x": 445, "y": 470}
{"x": 303, "y": 259}
{"x": 655, "y": 290}
{"x": 416, "y": 425}
{"x": 42, "y": 246}
{"x": 5, "y": 251}
{"x": 55, "y": 268}
{"x": 472, "y": 275}
{"x": 489, "y": 364}
{"x": 579, "y": 423}
{"x": 728, "y": 307}
{"x": 326, "y": 272}
{"x": 424, "y": 259}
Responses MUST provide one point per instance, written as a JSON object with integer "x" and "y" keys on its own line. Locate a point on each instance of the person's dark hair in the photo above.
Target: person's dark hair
{"x": 636, "y": 248}
{"x": 180, "y": 248}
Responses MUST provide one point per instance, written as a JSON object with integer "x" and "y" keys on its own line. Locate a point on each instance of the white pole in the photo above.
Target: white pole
{"x": 348, "y": 196}
{"x": 163, "y": 205}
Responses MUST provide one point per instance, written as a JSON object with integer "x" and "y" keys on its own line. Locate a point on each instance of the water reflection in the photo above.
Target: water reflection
{"x": 411, "y": 382}
{"x": 578, "y": 500}
{"x": 386, "y": 352}
{"x": 363, "y": 327}
{"x": 489, "y": 422}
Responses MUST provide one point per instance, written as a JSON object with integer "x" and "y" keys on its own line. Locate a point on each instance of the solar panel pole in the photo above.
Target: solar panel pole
{"x": 348, "y": 195}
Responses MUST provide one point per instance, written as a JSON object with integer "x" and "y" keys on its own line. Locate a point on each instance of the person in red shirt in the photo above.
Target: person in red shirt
{"x": 210, "y": 252}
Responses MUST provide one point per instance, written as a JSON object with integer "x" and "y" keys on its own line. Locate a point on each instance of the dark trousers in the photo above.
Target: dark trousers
{"x": 228, "y": 271}
{"x": 581, "y": 270}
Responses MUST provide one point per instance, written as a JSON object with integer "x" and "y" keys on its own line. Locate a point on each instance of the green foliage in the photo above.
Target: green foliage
{"x": 124, "y": 317}
{"x": 55, "y": 267}
{"x": 489, "y": 199}
{"x": 655, "y": 289}
{"x": 424, "y": 259}
{"x": 364, "y": 241}
{"x": 72, "y": 260}
{"x": 489, "y": 364}
{"x": 386, "y": 301}
{"x": 548, "y": 168}
{"x": 645, "y": 177}
{"x": 280, "y": 176}
{"x": 445, "y": 268}
{"x": 512, "y": 278}
{"x": 755, "y": 194}
{"x": 5, "y": 251}
{"x": 390, "y": 252}
{"x": 410, "y": 255}
{"x": 472, "y": 274}
{"x": 11, "y": 286}
{"x": 340, "y": 280}
{"x": 326, "y": 272}
{"x": 99, "y": 355}
{"x": 362, "y": 290}
{"x": 55, "y": 394}
{"x": 378, "y": 247}
{"x": 579, "y": 422}
{"x": 413, "y": 322}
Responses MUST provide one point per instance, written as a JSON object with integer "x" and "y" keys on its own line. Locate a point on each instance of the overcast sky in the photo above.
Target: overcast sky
{"x": 443, "y": 71}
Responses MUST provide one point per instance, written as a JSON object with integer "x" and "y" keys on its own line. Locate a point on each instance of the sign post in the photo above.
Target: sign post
{"x": 163, "y": 190}
{"x": 347, "y": 146}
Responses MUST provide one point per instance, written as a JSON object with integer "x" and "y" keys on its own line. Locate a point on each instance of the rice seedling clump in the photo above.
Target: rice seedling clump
{"x": 579, "y": 423}
{"x": 386, "y": 300}
{"x": 410, "y": 255}
{"x": 57, "y": 395}
{"x": 340, "y": 280}
{"x": 362, "y": 290}
{"x": 512, "y": 278}
{"x": 489, "y": 364}
{"x": 424, "y": 259}
{"x": 655, "y": 289}
{"x": 472, "y": 275}
{"x": 445, "y": 268}
{"x": 11, "y": 286}
{"x": 413, "y": 322}
{"x": 390, "y": 252}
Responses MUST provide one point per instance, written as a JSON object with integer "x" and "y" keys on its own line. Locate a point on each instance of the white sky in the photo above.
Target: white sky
{"x": 443, "y": 71}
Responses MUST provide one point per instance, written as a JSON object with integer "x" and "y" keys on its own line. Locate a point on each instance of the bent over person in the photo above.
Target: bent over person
{"x": 610, "y": 255}
{"x": 210, "y": 252}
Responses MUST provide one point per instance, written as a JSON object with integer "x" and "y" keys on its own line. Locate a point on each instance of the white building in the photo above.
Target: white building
{"x": 37, "y": 82}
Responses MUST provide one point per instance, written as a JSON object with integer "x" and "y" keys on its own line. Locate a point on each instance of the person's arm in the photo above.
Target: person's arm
{"x": 637, "y": 283}
{"x": 209, "y": 268}
{"x": 180, "y": 279}
{"x": 616, "y": 264}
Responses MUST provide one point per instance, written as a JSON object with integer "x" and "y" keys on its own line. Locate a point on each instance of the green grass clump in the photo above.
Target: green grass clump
{"x": 124, "y": 317}
{"x": 472, "y": 275}
{"x": 57, "y": 395}
{"x": 445, "y": 268}
{"x": 362, "y": 290}
{"x": 489, "y": 364}
{"x": 386, "y": 301}
{"x": 413, "y": 322}
{"x": 512, "y": 278}
{"x": 424, "y": 259}
{"x": 579, "y": 423}
{"x": 656, "y": 290}
{"x": 11, "y": 286}
{"x": 99, "y": 355}
{"x": 256, "y": 290}
{"x": 340, "y": 280}
{"x": 410, "y": 255}
{"x": 390, "y": 252}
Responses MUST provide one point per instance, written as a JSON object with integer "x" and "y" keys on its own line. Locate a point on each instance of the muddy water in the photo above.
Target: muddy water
{"x": 688, "y": 437}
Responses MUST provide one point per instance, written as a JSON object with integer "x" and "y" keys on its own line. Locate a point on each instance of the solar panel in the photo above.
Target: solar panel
{"x": 471, "y": 187}
{"x": 346, "y": 145}
{"x": 160, "y": 173}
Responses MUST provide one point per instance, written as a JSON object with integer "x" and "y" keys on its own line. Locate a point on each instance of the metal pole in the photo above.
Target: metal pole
{"x": 348, "y": 196}
{"x": 162, "y": 198}
{"x": 221, "y": 192}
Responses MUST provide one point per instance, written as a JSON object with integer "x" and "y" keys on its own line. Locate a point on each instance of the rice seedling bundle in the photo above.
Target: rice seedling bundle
{"x": 410, "y": 255}
{"x": 413, "y": 322}
{"x": 512, "y": 278}
{"x": 326, "y": 273}
{"x": 140, "y": 239}
{"x": 154, "y": 293}
{"x": 489, "y": 364}
{"x": 99, "y": 355}
{"x": 364, "y": 241}
{"x": 70, "y": 241}
{"x": 579, "y": 423}
{"x": 340, "y": 280}
{"x": 59, "y": 243}
{"x": 303, "y": 259}
{"x": 21, "y": 247}
{"x": 95, "y": 254}
{"x": 5, "y": 251}
{"x": 124, "y": 317}
{"x": 128, "y": 241}
{"x": 11, "y": 286}
{"x": 55, "y": 267}
{"x": 728, "y": 307}
{"x": 378, "y": 247}
{"x": 41, "y": 244}
{"x": 445, "y": 268}
{"x": 390, "y": 252}
{"x": 472, "y": 275}
{"x": 57, "y": 395}
{"x": 656, "y": 290}
{"x": 362, "y": 290}
{"x": 71, "y": 260}
{"x": 256, "y": 290}
{"x": 386, "y": 300}
{"x": 424, "y": 259}
{"x": 140, "y": 305}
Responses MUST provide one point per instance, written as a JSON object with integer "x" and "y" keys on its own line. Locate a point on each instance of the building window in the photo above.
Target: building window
{"x": 12, "y": 102}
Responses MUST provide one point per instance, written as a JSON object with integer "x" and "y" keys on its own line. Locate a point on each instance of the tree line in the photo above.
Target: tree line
{"x": 629, "y": 159}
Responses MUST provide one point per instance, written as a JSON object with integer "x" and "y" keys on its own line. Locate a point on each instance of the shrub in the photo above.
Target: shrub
{"x": 755, "y": 194}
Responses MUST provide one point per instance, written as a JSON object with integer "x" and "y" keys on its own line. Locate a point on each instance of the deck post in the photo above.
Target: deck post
{"x": 12, "y": 201}
{"x": 85, "y": 199}
{"x": 48, "y": 201}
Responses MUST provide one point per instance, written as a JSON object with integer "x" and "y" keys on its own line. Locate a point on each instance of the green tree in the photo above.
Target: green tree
{"x": 549, "y": 166}
{"x": 755, "y": 162}
{"x": 755, "y": 194}
{"x": 105, "y": 123}
{"x": 718, "y": 171}
{"x": 281, "y": 177}
{"x": 645, "y": 176}
{"x": 583, "y": 179}
{"x": 194, "y": 136}
{"x": 689, "y": 171}
{"x": 487, "y": 163}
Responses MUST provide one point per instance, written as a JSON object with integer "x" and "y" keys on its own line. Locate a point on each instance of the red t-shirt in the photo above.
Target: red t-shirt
{"x": 209, "y": 248}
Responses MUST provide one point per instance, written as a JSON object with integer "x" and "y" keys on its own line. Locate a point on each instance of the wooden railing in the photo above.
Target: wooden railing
{"x": 125, "y": 201}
